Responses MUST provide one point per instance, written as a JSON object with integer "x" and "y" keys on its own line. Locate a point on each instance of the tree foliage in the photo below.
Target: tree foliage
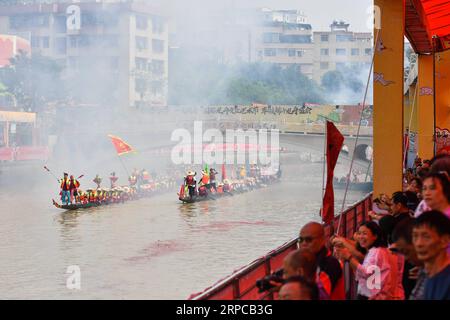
{"x": 34, "y": 81}
{"x": 212, "y": 83}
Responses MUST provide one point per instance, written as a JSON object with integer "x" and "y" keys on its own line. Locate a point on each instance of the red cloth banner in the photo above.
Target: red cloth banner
{"x": 334, "y": 142}
{"x": 121, "y": 146}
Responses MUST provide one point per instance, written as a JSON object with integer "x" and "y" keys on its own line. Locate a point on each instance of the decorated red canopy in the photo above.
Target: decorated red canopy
{"x": 425, "y": 20}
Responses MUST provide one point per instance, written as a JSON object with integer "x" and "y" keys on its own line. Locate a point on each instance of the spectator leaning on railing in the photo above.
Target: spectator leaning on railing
{"x": 312, "y": 237}
{"x": 379, "y": 276}
{"x": 431, "y": 237}
{"x": 398, "y": 211}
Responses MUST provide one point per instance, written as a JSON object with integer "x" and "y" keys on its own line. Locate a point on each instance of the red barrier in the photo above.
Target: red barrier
{"x": 242, "y": 283}
{"x": 32, "y": 153}
{"x": 6, "y": 154}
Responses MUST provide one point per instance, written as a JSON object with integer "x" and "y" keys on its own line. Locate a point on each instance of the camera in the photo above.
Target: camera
{"x": 265, "y": 284}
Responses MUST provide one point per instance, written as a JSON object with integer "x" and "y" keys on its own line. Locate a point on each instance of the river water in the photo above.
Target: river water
{"x": 153, "y": 248}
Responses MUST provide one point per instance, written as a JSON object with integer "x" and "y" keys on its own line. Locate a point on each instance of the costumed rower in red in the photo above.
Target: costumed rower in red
{"x": 65, "y": 191}
{"x": 73, "y": 186}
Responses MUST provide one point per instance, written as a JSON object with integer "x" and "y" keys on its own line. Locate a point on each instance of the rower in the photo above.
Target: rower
{"x": 73, "y": 186}
{"x": 191, "y": 182}
{"x": 65, "y": 190}
{"x": 212, "y": 179}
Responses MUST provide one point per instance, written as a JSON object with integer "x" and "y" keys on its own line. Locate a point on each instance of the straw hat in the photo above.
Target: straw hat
{"x": 191, "y": 173}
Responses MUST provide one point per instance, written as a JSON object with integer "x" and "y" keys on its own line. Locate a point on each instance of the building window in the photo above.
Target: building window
{"x": 35, "y": 42}
{"x": 344, "y": 37}
{"x": 324, "y": 66}
{"x": 141, "y": 22}
{"x": 60, "y": 46}
{"x": 341, "y": 52}
{"x": 141, "y": 64}
{"x": 340, "y": 65}
{"x": 46, "y": 42}
{"x": 158, "y": 46}
{"x": 291, "y": 52}
{"x": 73, "y": 41}
{"x": 324, "y": 38}
{"x": 140, "y": 86}
{"x": 61, "y": 24}
{"x": 270, "y": 52}
{"x": 141, "y": 43}
{"x": 324, "y": 52}
{"x": 300, "y": 53}
{"x": 355, "y": 52}
{"x": 158, "y": 67}
{"x": 270, "y": 37}
{"x": 368, "y": 51}
{"x": 157, "y": 25}
{"x": 294, "y": 38}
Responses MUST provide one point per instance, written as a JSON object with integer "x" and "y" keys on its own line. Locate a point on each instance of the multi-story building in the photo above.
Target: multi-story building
{"x": 284, "y": 37}
{"x": 340, "y": 47}
{"x": 125, "y": 43}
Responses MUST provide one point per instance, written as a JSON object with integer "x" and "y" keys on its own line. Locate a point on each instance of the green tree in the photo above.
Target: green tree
{"x": 34, "y": 81}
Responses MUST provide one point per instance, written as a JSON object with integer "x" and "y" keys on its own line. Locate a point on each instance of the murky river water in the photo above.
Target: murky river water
{"x": 154, "y": 248}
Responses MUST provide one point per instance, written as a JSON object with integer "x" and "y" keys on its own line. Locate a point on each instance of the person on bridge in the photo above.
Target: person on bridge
{"x": 65, "y": 191}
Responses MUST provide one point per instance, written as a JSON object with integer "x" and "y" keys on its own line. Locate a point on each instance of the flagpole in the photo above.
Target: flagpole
{"x": 324, "y": 161}
{"x": 123, "y": 164}
{"x": 357, "y": 135}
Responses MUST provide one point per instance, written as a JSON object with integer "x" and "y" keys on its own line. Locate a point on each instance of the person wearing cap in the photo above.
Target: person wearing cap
{"x": 65, "y": 189}
{"x": 191, "y": 182}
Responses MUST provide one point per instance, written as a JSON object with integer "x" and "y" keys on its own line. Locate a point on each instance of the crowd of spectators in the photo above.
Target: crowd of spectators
{"x": 400, "y": 253}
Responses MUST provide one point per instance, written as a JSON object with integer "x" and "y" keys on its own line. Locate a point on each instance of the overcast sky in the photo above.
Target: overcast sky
{"x": 320, "y": 13}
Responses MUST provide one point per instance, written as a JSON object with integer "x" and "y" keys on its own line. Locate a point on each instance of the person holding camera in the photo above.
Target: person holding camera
{"x": 330, "y": 273}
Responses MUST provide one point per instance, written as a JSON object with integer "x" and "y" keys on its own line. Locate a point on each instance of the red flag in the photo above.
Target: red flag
{"x": 121, "y": 146}
{"x": 334, "y": 141}
{"x": 224, "y": 174}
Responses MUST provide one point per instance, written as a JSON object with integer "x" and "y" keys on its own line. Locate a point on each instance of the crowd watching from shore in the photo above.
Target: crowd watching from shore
{"x": 401, "y": 252}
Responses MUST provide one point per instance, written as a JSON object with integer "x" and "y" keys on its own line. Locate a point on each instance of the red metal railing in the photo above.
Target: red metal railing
{"x": 241, "y": 285}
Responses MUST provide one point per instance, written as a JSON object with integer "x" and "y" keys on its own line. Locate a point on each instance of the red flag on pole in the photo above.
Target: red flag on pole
{"x": 224, "y": 174}
{"x": 334, "y": 142}
{"x": 121, "y": 146}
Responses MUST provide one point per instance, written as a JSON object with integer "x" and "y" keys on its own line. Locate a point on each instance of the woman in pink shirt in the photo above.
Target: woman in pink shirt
{"x": 379, "y": 276}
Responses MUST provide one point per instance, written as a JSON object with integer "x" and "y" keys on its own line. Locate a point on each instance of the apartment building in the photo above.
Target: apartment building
{"x": 284, "y": 37}
{"x": 122, "y": 42}
{"x": 339, "y": 48}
